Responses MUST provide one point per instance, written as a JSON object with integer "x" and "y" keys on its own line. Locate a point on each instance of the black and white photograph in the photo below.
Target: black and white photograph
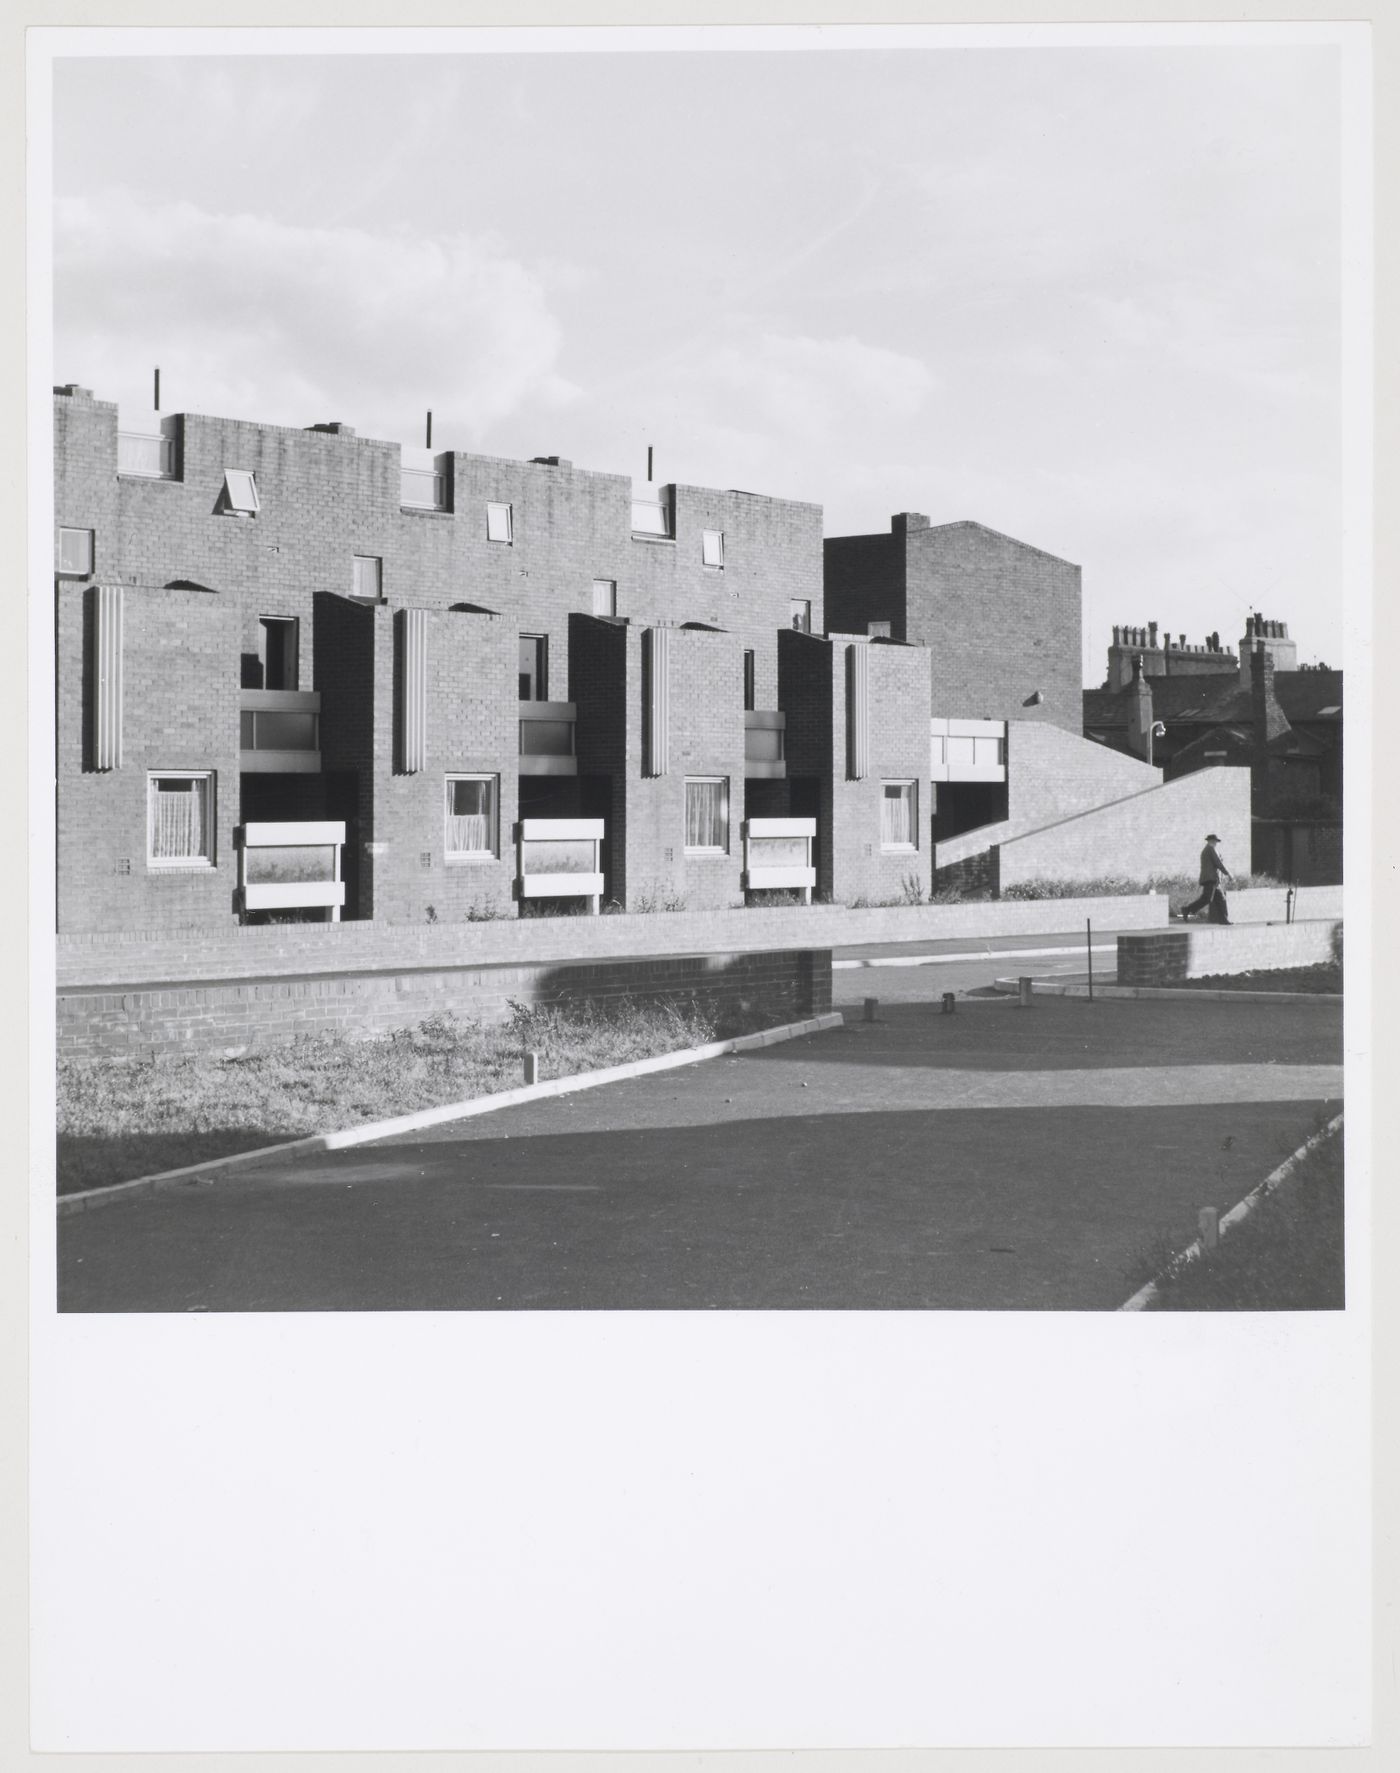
{"x": 693, "y": 685}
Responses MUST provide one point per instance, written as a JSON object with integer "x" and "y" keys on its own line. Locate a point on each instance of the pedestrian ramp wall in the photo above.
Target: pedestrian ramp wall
{"x": 1157, "y": 833}
{"x": 1204, "y": 951}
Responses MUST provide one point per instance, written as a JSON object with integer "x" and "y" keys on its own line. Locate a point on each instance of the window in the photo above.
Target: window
{"x": 73, "y": 552}
{"x": 470, "y": 829}
{"x": 534, "y": 668}
{"x": 748, "y": 681}
{"x": 801, "y": 609}
{"x": 498, "y": 524}
{"x": 878, "y": 630}
{"x": 899, "y": 813}
{"x": 180, "y": 820}
{"x": 279, "y": 647}
{"x": 707, "y": 815}
{"x": 368, "y": 579}
{"x": 605, "y": 597}
{"x": 712, "y": 547}
{"x": 651, "y": 510}
{"x": 240, "y": 495}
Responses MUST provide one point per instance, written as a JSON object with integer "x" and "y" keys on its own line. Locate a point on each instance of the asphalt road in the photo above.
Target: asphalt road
{"x": 997, "y": 1158}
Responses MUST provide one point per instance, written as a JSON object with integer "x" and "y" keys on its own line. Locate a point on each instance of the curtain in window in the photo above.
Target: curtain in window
{"x": 468, "y": 818}
{"x": 897, "y": 815}
{"x": 705, "y": 816}
{"x": 179, "y": 819}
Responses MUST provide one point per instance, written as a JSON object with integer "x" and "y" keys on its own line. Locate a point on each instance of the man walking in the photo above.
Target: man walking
{"x": 1212, "y": 894}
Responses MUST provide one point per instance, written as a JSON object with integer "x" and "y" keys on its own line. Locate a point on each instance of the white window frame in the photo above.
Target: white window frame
{"x": 912, "y": 784}
{"x": 540, "y": 670}
{"x": 708, "y": 849}
{"x": 878, "y": 630}
{"x": 377, "y": 562}
{"x": 240, "y": 494}
{"x": 712, "y": 548}
{"x": 499, "y": 518}
{"x": 206, "y": 861}
{"x": 75, "y": 572}
{"x": 609, "y": 589}
{"x": 493, "y": 851}
{"x": 805, "y": 603}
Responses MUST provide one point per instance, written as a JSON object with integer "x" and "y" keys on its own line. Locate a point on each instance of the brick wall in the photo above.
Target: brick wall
{"x": 1001, "y": 620}
{"x": 1201, "y": 951}
{"x": 235, "y": 1015}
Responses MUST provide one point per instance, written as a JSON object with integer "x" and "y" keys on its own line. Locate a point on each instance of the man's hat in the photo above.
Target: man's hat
{"x": 1212, "y": 837}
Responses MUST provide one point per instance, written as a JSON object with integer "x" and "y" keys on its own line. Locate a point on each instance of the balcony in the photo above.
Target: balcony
{"x": 547, "y": 739}
{"x": 145, "y": 455}
{"x": 778, "y": 856}
{"x": 279, "y": 732}
{"x": 967, "y": 750}
{"x": 292, "y": 865}
{"x": 558, "y": 859}
{"x": 765, "y": 741}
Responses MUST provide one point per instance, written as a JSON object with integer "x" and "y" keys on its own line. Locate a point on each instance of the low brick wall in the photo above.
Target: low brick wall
{"x": 234, "y": 1015}
{"x": 1196, "y": 951}
{"x": 136, "y": 959}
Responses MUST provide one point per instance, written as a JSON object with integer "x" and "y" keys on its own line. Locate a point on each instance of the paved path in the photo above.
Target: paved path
{"x": 998, "y": 1158}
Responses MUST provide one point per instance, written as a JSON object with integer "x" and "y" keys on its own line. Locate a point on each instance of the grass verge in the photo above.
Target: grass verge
{"x": 1287, "y": 1255}
{"x": 1325, "y": 977}
{"x": 121, "y": 1118}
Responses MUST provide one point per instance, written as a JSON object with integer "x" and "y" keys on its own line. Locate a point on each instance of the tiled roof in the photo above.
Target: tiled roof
{"x": 1309, "y": 695}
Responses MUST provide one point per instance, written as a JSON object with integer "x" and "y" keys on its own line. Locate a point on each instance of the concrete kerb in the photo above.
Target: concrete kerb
{"x": 430, "y": 1117}
{"x": 1055, "y": 988}
{"x": 1236, "y": 1215}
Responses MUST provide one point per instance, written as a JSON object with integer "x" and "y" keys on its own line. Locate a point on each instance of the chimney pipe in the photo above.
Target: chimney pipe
{"x": 156, "y": 401}
{"x": 648, "y": 461}
{"x": 428, "y": 441}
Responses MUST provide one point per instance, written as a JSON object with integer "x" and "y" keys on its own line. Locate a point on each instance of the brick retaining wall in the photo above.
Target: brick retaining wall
{"x": 1197, "y": 951}
{"x": 232, "y": 1015}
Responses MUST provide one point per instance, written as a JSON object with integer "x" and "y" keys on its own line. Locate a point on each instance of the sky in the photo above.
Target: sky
{"x": 1086, "y": 296}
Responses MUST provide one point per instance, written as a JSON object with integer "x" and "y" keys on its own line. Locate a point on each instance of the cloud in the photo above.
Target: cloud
{"x": 251, "y": 317}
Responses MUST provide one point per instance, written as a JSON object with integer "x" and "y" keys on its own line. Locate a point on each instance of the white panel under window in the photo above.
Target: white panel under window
{"x": 898, "y": 815}
{"x": 499, "y": 524}
{"x": 470, "y": 830}
{"x": 712, "y": 547}
{"x": 240, "y": 494}
{"x": 180, "y": 820}
{"x": 707, "y": 813}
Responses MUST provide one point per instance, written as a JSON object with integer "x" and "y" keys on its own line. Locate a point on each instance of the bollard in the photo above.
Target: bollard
{"x": 532, "y": 1068}
{"x": 1025, "y": 986}
{"x": 1209, "y": 1221}
{"x": 950, "y": 1002}
{"x": 871, "y": 1005}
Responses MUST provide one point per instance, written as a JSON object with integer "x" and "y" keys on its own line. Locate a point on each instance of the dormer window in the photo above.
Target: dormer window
{"x": 239, "y": 497}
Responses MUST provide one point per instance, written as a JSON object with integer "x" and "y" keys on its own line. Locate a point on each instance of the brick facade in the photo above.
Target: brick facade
{"x": 1000, "y": 618}
{"x": 1165, "y": 957}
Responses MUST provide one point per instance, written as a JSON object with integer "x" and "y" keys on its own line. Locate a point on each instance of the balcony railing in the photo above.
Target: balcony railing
{"x": 279, "y": 732}
{"x": 547, "y": 739}
{"x": 765, "y": 741}
{"x": 291, "y": 866}
{"x": 778, "y": 856}
{"x": 967, "y": 750}
{"x": 559, "y": 859}
{"x": 145, "y": 456}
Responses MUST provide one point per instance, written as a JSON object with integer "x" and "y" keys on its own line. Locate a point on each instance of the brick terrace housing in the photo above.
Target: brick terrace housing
{"x": 305, "y": 674}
